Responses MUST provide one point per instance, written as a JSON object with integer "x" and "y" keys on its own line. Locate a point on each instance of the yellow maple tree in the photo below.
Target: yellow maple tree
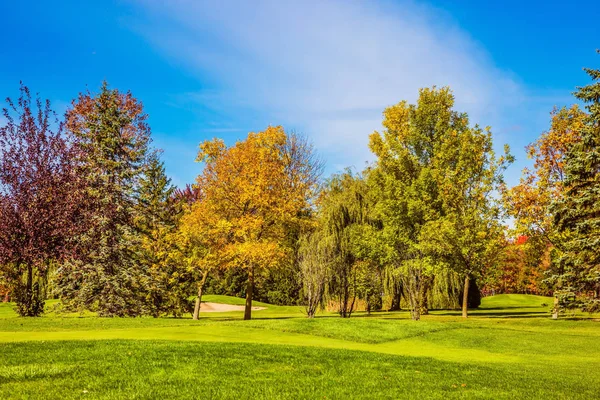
{"x": 252, "y": 192}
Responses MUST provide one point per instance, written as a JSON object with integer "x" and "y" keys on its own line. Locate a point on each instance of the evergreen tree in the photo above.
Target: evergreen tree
{"x": 158, "y": 212}
{"x": 576, "y": 277}
{"x": 112, "y": 136}
{"x": 154, "y": 197}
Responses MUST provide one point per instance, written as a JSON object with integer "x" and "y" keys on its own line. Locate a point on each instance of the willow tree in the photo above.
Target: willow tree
{"x": 315, "y": 256}
{"x": 344, "y": 209}
{"x": 255, "y": 190}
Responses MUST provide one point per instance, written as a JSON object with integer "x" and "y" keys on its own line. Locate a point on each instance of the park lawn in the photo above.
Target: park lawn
{"x": 509, "y": 348}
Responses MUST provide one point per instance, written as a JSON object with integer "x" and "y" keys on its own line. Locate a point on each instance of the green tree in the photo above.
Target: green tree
{"x": 468, "y": 234}
{"x": 405, "y": 186}
{"x": 157, "y": 217}
{"x": 111, "y": 134}
{"x": 434, "y": 178}
{"x": 344, "y": 213}
{"x": 576, "y": 277}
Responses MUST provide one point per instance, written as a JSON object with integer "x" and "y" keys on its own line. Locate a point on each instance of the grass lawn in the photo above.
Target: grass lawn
{"x": 509, "y": 348}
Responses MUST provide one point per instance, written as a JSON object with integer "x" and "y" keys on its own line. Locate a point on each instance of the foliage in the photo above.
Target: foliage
{"x": 577, "y": 214}
{"x": 39, "y": 192}
{"x": 521, "y": 267}
{"x": 344, "y": 209}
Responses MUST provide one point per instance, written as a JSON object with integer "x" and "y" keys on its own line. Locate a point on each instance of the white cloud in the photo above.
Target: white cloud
{"x": 328, "y": 68}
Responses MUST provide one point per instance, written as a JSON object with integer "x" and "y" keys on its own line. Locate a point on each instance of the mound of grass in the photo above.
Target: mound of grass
{"x": 504, "y": 301}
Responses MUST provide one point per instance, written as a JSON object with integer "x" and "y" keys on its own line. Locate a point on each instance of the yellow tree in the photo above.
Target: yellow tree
{"x": 201, "y": 242}
{"x": 254, "y": 191}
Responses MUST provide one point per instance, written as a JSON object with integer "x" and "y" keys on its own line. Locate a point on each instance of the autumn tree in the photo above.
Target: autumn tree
{"x": 111, "y": 135}
{"x": 576, "y": 276}
{"x": 254, "y": 190}
{"x": 201, "y": 245}
{"x": 530, "y": 201}
{"x": 39, "y": 208}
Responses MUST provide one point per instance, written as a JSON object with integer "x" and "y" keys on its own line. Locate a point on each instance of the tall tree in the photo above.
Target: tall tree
{"x": 157, "y": 215}
{"x": 39, "y": 195}
{"x": 111, "y": 134}
{"x": 434, "y": 177}
{"x": 577, "y": 214}
{"x": 406, "y": 188}
{"x": 468, "y": 234}
{"x": 256, "y": 189}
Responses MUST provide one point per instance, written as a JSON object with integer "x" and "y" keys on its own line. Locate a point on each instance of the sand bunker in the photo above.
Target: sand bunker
{"x": 218, "y": 307}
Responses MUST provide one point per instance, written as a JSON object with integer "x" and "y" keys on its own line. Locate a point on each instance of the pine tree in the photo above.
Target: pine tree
{"x": 157, "y": 216}
{"x": 112, "y": 136}
{"x": 577, "y": 216}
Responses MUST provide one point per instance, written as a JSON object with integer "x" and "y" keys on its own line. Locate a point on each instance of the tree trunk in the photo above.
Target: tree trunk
{"x": 465, "y": 305}
{"x": 29, "y": 280}
{"x": 396, "y": 297}
{"x": 555, "y": 309}
{"x": 249, "y": 291}
{"x": 199, "y": 298}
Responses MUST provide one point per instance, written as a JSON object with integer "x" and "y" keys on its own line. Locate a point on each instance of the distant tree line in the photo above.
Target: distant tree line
{"x": 89, "y": 216}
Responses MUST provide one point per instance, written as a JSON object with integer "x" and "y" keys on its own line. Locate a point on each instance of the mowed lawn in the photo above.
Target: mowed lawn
{"x": 509, "y": 348}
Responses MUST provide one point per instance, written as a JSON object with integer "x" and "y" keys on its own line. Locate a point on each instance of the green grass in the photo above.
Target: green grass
{"x": 509, "y": 348}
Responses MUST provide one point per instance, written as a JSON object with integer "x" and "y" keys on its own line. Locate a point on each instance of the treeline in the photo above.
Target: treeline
{"x": 88, "y": 215}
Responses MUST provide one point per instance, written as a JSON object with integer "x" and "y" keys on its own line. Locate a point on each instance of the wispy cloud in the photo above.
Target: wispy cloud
{"x": 328, "y": 68}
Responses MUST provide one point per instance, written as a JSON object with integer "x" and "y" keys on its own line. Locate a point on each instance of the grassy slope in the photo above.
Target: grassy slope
{"x": 508, "y": 349}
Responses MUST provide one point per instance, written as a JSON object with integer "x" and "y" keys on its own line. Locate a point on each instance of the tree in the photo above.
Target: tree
{"x": 468, "y": 234}
{"x": 530, "y": 201}
{"x": 576, "y": 276}
{"x": 202, "y": 245}
{"x": 405, "y": 187}
{"x": 343, "y": 212}
{"x": 157, "y": 215}
{"x": 434, "y": 177}
{"x": 254, "y": 190}
{"x": 39, "y": 194}
{"x": 111, "y": 135}
{"x": 315, "y": 256}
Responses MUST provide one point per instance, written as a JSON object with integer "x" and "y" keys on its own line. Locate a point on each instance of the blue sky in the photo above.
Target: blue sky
{"x": 207, "y": 69}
